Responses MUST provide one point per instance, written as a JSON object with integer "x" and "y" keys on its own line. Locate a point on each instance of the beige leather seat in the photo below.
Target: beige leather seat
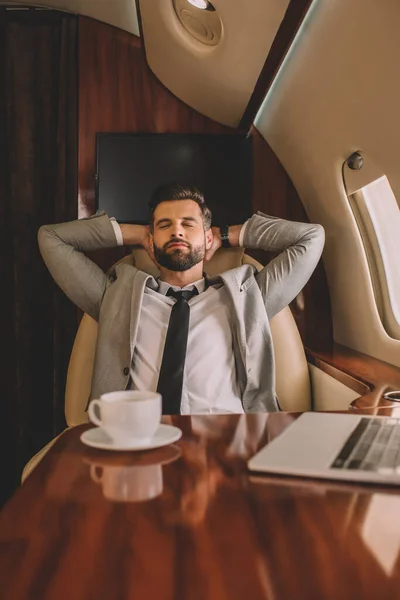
{"x": 292, "y": 377}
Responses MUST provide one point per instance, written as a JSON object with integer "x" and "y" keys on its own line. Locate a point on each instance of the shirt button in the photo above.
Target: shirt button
{"x": 126, "y": 370}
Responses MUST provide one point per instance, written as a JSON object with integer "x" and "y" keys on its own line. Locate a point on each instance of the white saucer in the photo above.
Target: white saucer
{"x": 97, "y": 438}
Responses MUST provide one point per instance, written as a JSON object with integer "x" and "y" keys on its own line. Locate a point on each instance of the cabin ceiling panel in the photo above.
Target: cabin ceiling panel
{"x": 120, "y": 13}
{"x": 217, "y": 80}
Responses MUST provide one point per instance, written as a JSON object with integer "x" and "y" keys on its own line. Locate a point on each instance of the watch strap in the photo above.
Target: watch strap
{"x": 224, "y": 233}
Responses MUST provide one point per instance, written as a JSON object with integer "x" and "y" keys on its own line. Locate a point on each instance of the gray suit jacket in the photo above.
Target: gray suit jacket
{"x": 115, "y": 300}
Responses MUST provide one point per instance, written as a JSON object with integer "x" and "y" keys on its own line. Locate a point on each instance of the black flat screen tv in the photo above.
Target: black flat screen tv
{"x": 130, "y": 166}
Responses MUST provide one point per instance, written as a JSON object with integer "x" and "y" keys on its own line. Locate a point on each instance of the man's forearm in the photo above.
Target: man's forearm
{"x": 299, "y": 245}
{"x": 133, "y": 235}
{"x": 63, "y": 247}
{"x": 84, "y": 235}
{"x": 264, "y": 232}
{"x": 234, "y": 234}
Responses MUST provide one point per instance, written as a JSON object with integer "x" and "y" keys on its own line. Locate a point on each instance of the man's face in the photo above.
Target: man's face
{"x": 179, "y": 240}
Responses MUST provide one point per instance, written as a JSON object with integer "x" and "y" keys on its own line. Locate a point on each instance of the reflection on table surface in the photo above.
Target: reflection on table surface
{"x": 189, "y": 521}
{"x": 131, "y": 482}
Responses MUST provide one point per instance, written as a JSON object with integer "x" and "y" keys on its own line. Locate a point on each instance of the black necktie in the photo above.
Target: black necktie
{"x": 173, "y": 361}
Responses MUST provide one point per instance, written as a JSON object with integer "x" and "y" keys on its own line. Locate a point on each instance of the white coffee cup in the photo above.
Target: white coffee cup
{"x": 127, "y": 416}
{"x": 129, "y": 484}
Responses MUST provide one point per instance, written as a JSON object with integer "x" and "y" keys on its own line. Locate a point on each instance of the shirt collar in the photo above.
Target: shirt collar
{"x": 163, "y": 287}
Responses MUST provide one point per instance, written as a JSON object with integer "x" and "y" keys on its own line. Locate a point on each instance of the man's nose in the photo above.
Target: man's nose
{"x": 177, "y": 231}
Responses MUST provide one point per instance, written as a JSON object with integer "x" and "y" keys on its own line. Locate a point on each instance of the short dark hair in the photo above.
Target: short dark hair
{"x": 178, "y": 191}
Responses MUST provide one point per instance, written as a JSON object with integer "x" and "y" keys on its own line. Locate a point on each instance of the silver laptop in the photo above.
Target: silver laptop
{"x": 335, "y": 446}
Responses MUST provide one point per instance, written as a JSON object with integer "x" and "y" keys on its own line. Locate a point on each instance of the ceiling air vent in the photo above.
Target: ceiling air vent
{"x": 201, "y": 21}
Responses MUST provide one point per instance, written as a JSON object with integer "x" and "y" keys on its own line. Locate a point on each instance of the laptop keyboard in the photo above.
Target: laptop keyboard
{"x": 374, "y": 445}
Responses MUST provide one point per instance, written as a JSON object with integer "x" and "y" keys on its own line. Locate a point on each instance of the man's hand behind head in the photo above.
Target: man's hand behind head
{"x": 148, "y": 245}
{"x": 216, "y": 243}
{"x": 137, "y": 235}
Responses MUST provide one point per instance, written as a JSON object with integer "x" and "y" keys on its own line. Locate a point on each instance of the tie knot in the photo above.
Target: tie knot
{"x": 185, "y": 294}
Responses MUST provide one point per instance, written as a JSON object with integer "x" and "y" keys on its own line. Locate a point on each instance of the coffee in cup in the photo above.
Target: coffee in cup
{"x": 127, "y": 416}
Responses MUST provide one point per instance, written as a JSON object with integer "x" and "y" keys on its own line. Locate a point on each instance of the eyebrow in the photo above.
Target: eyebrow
{"x": 161, "y": 221}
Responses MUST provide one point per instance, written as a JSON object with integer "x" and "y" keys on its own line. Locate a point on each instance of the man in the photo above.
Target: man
{"x": 205, "y": 345}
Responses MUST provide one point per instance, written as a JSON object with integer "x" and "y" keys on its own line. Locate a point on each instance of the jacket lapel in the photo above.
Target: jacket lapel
{"x": 233, "y": 281}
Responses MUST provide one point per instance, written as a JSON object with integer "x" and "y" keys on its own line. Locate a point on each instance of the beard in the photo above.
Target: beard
{"x": 179, "y": 259}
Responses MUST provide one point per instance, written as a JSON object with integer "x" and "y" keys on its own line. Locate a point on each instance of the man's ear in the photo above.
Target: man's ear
{"x": 209, "y": 238}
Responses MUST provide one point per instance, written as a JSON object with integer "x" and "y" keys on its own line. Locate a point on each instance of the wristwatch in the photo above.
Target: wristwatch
{"x": 224, "y": 233}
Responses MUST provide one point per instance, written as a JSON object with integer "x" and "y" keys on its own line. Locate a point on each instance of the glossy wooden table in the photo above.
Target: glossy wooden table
{"x": 189, "y": 522}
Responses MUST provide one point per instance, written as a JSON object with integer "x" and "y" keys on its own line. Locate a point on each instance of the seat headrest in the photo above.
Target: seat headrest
{"x": 223, "y": 260}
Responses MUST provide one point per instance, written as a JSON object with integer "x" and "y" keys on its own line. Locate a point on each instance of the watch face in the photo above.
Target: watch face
{"x": 225, "y": 236}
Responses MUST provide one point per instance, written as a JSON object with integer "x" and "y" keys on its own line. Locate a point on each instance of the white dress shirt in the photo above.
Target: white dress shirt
{"x": 209, "y": 380}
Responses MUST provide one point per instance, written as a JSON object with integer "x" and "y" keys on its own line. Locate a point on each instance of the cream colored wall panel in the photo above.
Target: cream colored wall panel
{"x": 217, "y": 81}
{"x": 328, "y": 393}
{"x": 120, "y": 13}
{"x": 339, "y": 91}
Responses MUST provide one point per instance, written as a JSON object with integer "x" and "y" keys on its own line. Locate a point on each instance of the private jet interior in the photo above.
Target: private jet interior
{"x": 288, "y": 107}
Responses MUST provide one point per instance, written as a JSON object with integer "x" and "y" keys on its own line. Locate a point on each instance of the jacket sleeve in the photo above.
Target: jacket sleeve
{"x": 62, "y": 247}
{"x": 300, "y": 246}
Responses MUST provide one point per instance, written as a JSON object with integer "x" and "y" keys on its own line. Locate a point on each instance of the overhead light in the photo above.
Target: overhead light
{"x": 203, "y": 4}
{"x": 200, "y": 19}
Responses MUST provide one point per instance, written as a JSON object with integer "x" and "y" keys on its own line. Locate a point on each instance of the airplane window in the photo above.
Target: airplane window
{"x": 378, "y": 216}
